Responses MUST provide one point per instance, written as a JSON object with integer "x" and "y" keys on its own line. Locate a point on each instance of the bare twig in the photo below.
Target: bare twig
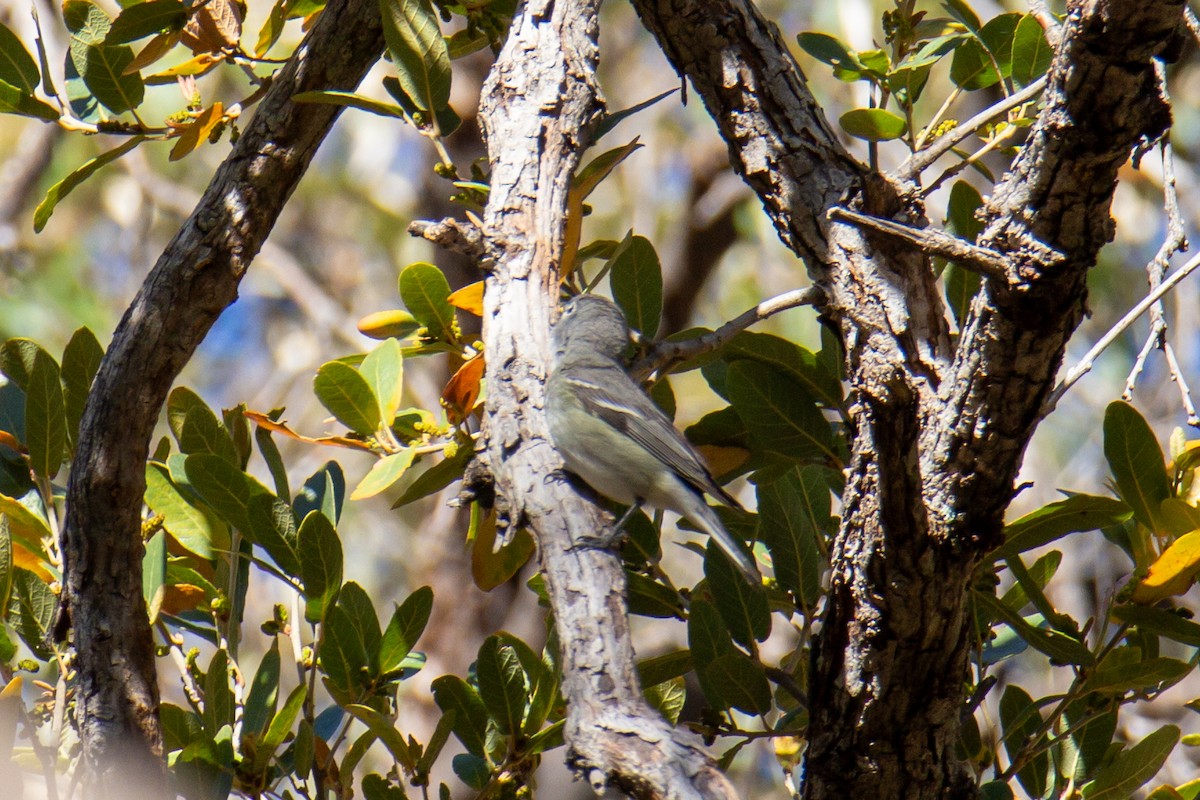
{"x": 666, "y": 353}
{"x": 1088, "y": 361}
{"x": 919, "y": 161}
{"x": 1174, "y": 242}
{"x": 988, "y": 263}
{"x": 452, "y": 234}
{"x": 1041, "y": 11}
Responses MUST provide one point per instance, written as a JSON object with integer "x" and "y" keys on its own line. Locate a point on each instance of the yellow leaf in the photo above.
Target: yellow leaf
{"x": 469, "y": 298}
{"x": 197, "y": 131}
{"x": 1173, "y": 572}
{"x": 26, "y": 559}
{"x": 155, "y": 49}
{"x": 193, "y": 66}
{"x": 13, "y": 688}
{"x": 723, "y": 460}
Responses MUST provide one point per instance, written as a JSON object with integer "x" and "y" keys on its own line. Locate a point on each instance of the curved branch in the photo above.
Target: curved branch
{"x": 194, "y": 280}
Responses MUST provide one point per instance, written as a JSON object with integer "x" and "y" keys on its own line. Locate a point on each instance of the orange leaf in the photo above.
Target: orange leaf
{"x": 1173, "y": 572}
{"x": 469, "y": 298}
{"x": 723, "y": 460}
{"x": 155, "y": 49}
{"x": 10, "y": 441}
{"x": 197, "y": 131}
{"x": 462, "y": 390}
{"x": 263, "y": 421}
{"x": 181, "y": 597}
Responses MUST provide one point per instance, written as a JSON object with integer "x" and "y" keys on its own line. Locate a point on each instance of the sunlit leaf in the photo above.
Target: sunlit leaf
{"x": 58, "y": 191}
{"x": 384, "y": 472}
{"x": 198, "y": 130}
{"x": 348, "y": 396}
{"x": 462, "y": 390}
{"x": 469, "y": 298}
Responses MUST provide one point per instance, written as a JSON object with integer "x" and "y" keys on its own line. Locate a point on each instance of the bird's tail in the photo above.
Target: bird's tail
{"x": 710, "y": 523}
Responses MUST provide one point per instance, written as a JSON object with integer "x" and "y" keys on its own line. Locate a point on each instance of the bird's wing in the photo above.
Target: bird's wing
{"x": 611, "y": 395}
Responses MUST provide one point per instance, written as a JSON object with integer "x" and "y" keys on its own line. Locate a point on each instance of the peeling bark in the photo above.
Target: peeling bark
{"x": 537, "y": 108}
{"x": 938, "y": 431}
{"x": 194, "y": 280}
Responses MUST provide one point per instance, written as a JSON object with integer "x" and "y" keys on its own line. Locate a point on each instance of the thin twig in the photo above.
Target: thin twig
{"x": 919, "y": 161}
{"x": 454, "y": 235}
{"x": 668, "y": 353}
{"x": 1088, "y": 361}
{"x": 1174, "y": 242}
{"x": 988, "y": 263}
{"x": 1184, "y": 392}
{"x": 1042, "y": 13}
{"x": 1193, "y": 24}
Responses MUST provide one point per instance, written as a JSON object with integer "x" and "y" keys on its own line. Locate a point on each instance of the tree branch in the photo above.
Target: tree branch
{"x": 194, "y": 280}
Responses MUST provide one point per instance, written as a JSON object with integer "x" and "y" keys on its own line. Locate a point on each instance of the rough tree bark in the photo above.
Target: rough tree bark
{"x": 194, "y": 280}
{"x": 937, "y": 431}
{"x": 538, "y": 105}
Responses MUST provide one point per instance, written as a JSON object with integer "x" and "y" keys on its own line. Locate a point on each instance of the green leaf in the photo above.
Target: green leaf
{"x": 144, "y": 19}
{"x": 786, "y": 526}
{"x": 779, "y": 413}
{"x": 281, "y": 723}
{"x": 738, "y": 683}
{"x": 1136, "y": 462}
{"x": 343, "y": 653}
{"x": 15, "y": 101}
{"x": 1061, "y": 648}
{"x": 45, "y": 417}
{"x": 1081, "y": 512}
{"x": 384, "y": 728}
{"x": 179, "y": 726}
{"x": 453, "y": 694}
{"x": 447, "y": 118}
{"x": 103, "y": 72}
{"x": 799, "y": 364}
{"x": 58, "y": 191}
{"x": 963, "y": 12}
{"x": 332, "y": 97}
{"x": 384, "y": 472}
{"x": 320, "y": 554}
{"x": 224, "y": 487}
{"x": 348, "y": 396}
{"x": 425, "y": 293}
{"x": 1125, "y": 669}
{"x": 32, "y": 606}
{"x": 218, "y": 698}
{"x": 439, "y": 476}
{"x": 829, "y": 50}
{"x": 1161, "y": 623}
{"x": 180, "y": 401}
{"x": 201, "y": 432}
{"x": 17, "y": 67}
{"x": 666, "y": 667}
{"x": 667, "y": 698}
{"x": 6, "y": 564}
{"x": 1031, "y": 53}
{"x": 971, "y": 68}
{"x": 271, "y": 525}
{"x": 358, "y": 607}
{"x": 264, "y": 692}
{"x": 418, "y": 50}
{"x": 383, "y": 370}
{"x": 742, "y": 607}
{"x": 154, "y": 574}
{"x": 16, "y": 360}
{"x": 610, "y": 120}
{"x": 501, "y": 684}
{"x": 404, "y": 629}
{"x": 1020, "y": 721}
{"x": 873, "y": 124}
{"x": 80, "y": 362}
{"x": 324, "y": 491}
{"x": 1092, "y": 735}
{"x": 1132, "y": 768}
{"x": 637, "y": 285}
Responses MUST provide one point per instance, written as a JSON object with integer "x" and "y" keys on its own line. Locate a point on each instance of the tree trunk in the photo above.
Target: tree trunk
{"x": 937, "y": 429}
{"x": 194, "y": 280}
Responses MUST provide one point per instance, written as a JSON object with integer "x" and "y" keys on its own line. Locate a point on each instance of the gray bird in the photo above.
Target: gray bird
{"x": 613, "y": 436}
